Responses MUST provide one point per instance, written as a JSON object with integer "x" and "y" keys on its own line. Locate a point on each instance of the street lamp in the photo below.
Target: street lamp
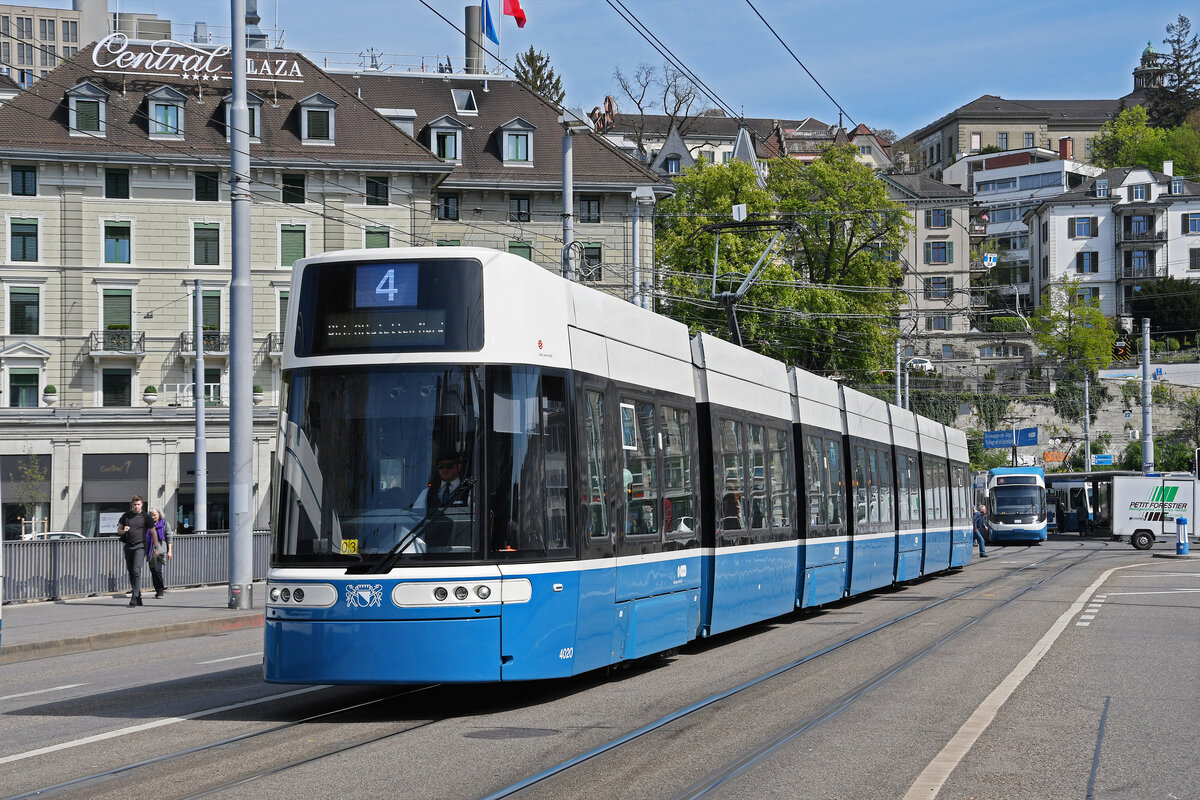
{"x": 573, "y": 121}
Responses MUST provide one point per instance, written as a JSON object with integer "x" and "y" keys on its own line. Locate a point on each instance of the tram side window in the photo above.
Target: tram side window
{"x": 527, "y": 469}
{"x": 873, "y": 484}
{"x": 641, "y": 474}
{"x": 944, "y": 479}
{"x": 733, "y": 516}
{"x": 814, "y": 474}
{"x": 914, "y": 489}
{"x": 594, "y": 471}
{"x": 860, "y": 485}
{"x": 902, "y": 488}
{"x": 679, "y": 500}
{"x": 960, "y": 493}
{"x": 778, "y": 478}
{"x": 758, "y": 476}
{"x": 886, "y": 502}
{"x": 834, "y": 483}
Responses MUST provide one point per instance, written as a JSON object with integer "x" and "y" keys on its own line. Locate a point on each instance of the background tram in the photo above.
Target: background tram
{"x": 622, "y": 488}
{"x": 1016, "y": 504}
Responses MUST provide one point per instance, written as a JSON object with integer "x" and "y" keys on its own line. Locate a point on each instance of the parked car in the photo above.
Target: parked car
{"x": 44, "y": 535}
{"x": 920, "y": 364}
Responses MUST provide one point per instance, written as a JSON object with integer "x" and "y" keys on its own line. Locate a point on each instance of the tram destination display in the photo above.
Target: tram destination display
{"x": 411, "y": 306}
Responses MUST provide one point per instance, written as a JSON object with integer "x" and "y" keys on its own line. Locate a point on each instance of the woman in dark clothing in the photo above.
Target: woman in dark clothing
{"x": 157, "y": 535}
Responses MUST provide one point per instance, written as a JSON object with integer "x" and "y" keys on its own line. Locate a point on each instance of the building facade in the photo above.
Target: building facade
{"x": 1118, "y": 230}
{"x": 114, "y": 183}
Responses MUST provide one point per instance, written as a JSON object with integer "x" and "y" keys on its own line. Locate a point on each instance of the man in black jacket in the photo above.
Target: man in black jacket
{"x": 132, "y": 530}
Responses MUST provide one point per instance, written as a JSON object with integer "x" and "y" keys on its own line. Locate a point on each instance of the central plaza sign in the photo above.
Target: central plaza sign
{"x": 168, "y": 58}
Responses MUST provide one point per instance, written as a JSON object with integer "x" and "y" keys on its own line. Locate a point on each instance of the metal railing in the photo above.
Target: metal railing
{"x": 275, "y": 343}
{"x": 1142, "y": 273}
{"x": 117, "y": 342}
{"x": 214, "y": 342}
{"x": 181, "y": 394}
{"x": 1136, "y": 237}
{"x": 49, "y": 570}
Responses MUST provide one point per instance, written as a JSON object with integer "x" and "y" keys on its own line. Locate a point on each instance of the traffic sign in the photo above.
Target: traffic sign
{"x": 1102, "y": 460}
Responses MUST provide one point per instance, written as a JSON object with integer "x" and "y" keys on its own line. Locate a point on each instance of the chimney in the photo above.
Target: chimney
{"x": 1169, "y": 168}
{"x": 474, "y": 29}
{"x": 1066, "y": 148}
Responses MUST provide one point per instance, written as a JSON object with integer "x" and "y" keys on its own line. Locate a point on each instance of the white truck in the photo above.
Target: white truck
{"x": 1145, "y": 507}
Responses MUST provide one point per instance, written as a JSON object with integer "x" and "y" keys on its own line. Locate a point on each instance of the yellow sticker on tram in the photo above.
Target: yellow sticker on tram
{"x": 349, "y": 547}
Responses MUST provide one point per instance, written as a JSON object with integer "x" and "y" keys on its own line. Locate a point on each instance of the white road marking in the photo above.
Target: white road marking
{"x": 931, "y": 779}
{"x": 230, "y": 658}
{"x": 1082, "y": 624}
{"x": 42, "y": 691}
{"x": 1087, "y": 616}
{"x": 1169, "y": 591}
{"x": 145, "y": 726}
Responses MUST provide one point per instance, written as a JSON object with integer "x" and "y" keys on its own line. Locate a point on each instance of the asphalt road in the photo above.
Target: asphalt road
{"x": 1061, "y": 671}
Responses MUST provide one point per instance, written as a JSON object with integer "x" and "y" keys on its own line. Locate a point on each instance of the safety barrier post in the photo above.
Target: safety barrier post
{"x": 1181, "y": 543}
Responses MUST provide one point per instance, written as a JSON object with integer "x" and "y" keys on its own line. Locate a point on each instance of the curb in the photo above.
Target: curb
{"x": 12, "y": 654}
{"x": 1184, "y": 556}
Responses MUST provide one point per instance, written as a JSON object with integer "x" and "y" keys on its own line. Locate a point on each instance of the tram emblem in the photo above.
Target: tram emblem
{"x": 364, "y": 595}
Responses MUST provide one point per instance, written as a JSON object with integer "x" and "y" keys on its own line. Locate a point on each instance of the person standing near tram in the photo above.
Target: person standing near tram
{"x": 132, "y": 528}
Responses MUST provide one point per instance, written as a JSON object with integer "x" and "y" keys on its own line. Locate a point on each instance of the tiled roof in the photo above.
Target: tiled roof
{"x": 497, "y": 101}
{"x": 921, "y": 187}
{"x": 37, "y": 119}
{"x": 1086, "y": 192}
{"x": 1052, "y": 112}
{"x": 720, "y": 126}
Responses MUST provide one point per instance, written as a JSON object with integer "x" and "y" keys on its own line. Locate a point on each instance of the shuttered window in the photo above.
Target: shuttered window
{"x": 377, "y": 237}
{"x": 116, "y": 184}
{"x": 377, "y": 191}
{"x": 118, "y": 309}
{"x": 291, "y": 244}
{"x": 24, "y": 240}
{"x": 210, "y": 309}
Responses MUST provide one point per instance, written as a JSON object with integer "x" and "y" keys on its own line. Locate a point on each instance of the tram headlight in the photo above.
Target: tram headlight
{"x": 440, "y": 593}
{"x": 483, "y": 592}
{"x": 298, "y": 595}
{"x": 461, "y": 592}
{"x": 285, "y": 594}
{"x": 275, "y": 594}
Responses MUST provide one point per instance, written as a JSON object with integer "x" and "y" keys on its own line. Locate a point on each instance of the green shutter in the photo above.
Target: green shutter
{"x": 283, "y": 305}
{"x": 210, "y": 310}
{"x": 950, "y": 286}
{"x": 207, "y": 236}
{"x": 118, "y": 309}
{"x": 949, "y": 218}
{"x": 1095, "y": 226}
{"x": 318, "y": 124}
{"x": 1070, "y": 228}
{"x": 87, "y": 115}
{"x": 928, "y": 218}
{"x": 377, "y": 237}
{"x": 928, "y": 252}
{"x": 291, "y": 244}
{"x": 949, "y": 252}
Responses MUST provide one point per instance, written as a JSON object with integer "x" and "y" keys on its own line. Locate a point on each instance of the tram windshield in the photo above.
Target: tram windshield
{"x": 1016, "y": 501}
{"x": 378, "y": 460}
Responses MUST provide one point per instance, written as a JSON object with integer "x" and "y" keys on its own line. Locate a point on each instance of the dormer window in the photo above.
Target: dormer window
{"x": 254, "y": 105}
{"x": 1102, "y": 187}
{"x": 166, "y": 113}
{"x": 317, "y": 119}
{"x": 88, "y": 114}
{"x": 1138, "y": 191}
{"x": 445, "y": 138}
{"x": 672, "y": 165}
{"x": 1176, "y": 185}
{"x": 464, "y": 101}
{"x": 517, "y": 140}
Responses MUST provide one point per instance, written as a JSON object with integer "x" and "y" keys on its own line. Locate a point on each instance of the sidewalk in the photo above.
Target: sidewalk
{"x": 41, "y": 630}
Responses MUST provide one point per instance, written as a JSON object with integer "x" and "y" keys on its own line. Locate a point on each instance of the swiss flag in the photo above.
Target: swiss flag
{"x": 512, "y": 8}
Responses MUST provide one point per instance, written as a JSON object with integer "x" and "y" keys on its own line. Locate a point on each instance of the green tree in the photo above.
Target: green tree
{"x": 825, "y": 300}
{"x": 1129, "y": 140}
{"x": 27, "y": 481}
{"x": 1179, "y": 93}
{"x": 1072, "y": 330}
{"x": 1171, "y": 304}
{"x": 533, "y": 69}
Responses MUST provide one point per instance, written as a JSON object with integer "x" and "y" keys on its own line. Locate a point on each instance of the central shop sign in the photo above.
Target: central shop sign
{"x": 168, "y": 58}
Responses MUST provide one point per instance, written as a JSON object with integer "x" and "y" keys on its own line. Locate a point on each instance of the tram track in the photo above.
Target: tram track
{"x": 92, "y": 785}
{"x": 717, "y": 777}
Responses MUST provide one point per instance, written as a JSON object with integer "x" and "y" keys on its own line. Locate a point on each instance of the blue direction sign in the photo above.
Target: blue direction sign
{"x": 1026, "y": 437}
{"x": 1102, "y": 460}
{"x": 993, "y": 439}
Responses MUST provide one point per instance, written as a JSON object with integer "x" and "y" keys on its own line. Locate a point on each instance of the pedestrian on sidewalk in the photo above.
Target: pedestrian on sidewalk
{"x": 978, "y": 526}
{"x": 132, "y": 528}
{"x": 158, "y": 550}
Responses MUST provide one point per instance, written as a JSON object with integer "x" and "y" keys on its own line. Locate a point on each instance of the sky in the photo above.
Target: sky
{"x": 888, "y": 64}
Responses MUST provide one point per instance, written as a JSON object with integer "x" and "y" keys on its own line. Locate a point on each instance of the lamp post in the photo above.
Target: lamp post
{"x": 573, "y": 122}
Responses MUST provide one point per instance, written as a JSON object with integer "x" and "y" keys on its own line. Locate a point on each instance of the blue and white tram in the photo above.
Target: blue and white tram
{"x": 487, "y": 473}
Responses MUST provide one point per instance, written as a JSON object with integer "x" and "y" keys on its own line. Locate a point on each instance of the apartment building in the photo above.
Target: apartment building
{"x": 1119, "y": 229}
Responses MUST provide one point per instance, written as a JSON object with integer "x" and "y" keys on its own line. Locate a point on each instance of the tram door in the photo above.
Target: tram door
{"x": 597, "y": 581}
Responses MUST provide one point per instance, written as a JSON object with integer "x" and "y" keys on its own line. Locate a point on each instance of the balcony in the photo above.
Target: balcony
{"x": 117, "y": 343}
{"x": 1132, "y": 273}
{"x": 978, "y": 265}
{"x": 977, "y": 229}
{"x": 215, "y": 343}
{"x": 275, "y": 344}
{"x": 1141, "y": 237}
{"x": 183, "y": 394}
{"x": 979, "y": 298}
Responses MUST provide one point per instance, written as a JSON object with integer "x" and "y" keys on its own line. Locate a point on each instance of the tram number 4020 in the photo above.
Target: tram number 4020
{"x": 566, "y": 653}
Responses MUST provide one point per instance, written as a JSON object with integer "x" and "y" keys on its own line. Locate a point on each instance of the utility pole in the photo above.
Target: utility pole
{"x": 1087, "y": 419}
{"x": 200, "y": 499}
{"x": 241, "y": 332}
{"x": 1147, "y": 423}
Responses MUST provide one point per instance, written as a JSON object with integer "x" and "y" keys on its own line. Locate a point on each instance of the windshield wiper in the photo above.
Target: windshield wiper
{"x": 392, "y": 556}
